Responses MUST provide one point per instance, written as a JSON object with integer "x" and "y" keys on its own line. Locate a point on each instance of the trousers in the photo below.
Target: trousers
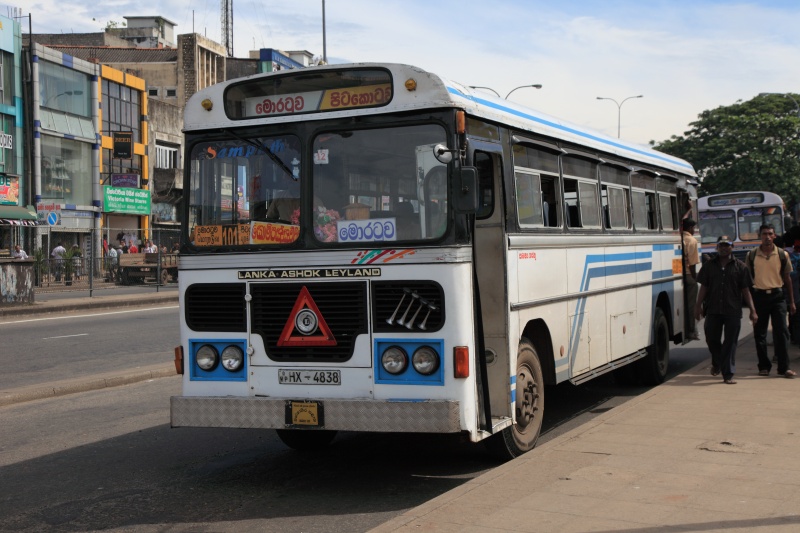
{"x": 722, "y": 337}
{"x": 771, "y": 307}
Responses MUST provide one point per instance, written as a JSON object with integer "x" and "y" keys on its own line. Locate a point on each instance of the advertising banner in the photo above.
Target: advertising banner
{"x": 9, "y": 190}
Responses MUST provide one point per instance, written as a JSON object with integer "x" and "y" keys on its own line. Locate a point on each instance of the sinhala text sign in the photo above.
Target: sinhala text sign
{"x": 126, "y": 200}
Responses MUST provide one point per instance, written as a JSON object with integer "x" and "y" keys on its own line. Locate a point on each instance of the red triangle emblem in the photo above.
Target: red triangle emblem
{"x": 307, "y": 309}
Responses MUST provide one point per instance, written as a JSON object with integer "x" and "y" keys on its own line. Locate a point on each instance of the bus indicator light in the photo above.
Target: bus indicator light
{"x": 461, "y": 362}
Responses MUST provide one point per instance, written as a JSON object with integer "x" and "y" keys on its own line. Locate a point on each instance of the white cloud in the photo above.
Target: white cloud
{"x": 685, "y": 57}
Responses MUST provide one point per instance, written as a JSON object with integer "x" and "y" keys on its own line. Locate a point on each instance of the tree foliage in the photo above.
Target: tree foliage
{"x": 747, "y": 146}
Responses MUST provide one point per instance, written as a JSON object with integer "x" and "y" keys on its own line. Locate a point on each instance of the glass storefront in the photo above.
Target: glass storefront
{"x": 66, "y": 171}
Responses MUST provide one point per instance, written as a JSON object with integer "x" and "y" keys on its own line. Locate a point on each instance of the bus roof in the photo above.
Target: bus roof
{"x": 433, "y": 91}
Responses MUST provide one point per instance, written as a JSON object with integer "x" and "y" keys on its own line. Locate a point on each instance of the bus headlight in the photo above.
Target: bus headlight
{"x": 394, "y": 360}
{"x": 206, "y": 357}
{"x": 232, "y": 358}
{"x": 425, "y": 360}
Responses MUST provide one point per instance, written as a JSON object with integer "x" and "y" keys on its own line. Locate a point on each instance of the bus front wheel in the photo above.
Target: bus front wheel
{"x": 306, "y": 440}
{"x": 521, "y": 437}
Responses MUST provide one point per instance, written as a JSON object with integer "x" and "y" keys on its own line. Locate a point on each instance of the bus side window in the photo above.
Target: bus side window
{"x": 571, "y": 211}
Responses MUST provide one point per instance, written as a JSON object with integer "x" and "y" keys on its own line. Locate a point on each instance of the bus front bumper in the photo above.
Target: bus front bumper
{"x": 430, "y": 416}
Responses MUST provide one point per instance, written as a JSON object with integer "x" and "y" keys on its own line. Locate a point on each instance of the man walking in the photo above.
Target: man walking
{"x": 725, "y": 282}
{"x": 770, "y": 268}
{"x": 690, "y": 260}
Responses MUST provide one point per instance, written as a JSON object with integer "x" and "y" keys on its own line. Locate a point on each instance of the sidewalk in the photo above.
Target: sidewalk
{"x": 692, "y": 454}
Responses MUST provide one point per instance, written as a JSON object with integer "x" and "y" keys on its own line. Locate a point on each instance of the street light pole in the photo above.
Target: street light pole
{"x": 619, "y": 109}
{"x": 535, "y": 86}
{"x": 487, "y": 88}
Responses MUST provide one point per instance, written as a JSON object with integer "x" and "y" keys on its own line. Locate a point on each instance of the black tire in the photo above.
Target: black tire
{"x": 652, "y": 369}
{"x": 306, "y": 440}
{"x": 123, "y": 278}
{"x": 521, "y": 437}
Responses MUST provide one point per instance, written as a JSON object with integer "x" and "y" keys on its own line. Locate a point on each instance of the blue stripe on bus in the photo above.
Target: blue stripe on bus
{"x": 590, "y": 273}
{"x": 567, "y": 129}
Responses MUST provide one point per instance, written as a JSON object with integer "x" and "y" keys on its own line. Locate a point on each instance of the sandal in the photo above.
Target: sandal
{"x": 730, "y": 381}
{"x": 789, "y": 374}
{"x": 714, "y": 371}
{"x": 763, "y": 372}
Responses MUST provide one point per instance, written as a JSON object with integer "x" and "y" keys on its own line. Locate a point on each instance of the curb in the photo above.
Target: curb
{"x": 90, "y": 383}
{"x": 99, "y": 302}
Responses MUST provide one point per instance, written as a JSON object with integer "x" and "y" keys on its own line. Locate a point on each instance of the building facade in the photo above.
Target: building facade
{"x": 15, "y": 198}
{"x": 79, "y": 109}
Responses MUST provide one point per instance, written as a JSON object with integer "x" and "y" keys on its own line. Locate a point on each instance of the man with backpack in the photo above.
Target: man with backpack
{"x": 770, "y": 267}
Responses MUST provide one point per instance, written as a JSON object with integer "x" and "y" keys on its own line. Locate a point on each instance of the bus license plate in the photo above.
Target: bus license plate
{"x": 304, "y": 376}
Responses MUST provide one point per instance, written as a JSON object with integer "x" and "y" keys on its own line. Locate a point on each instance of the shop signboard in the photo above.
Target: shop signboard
{"x": 125, "y": 180}
{"x": 127, "y": 201}
{"x": 123, "y": 144}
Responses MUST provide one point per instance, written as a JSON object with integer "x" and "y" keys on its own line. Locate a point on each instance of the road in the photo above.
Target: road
{"x": 108, "y": 459}
{"x": 50, "y": 348}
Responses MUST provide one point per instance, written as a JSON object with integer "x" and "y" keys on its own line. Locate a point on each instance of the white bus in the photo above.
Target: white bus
{"x": 738, "y": 215}
{"x": 372, "y": 247}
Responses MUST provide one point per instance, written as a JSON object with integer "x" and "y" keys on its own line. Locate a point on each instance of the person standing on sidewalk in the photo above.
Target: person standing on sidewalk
{"x": 771, "y": 268}
{"x": 690, "y": 260}
{"x": 725, "y": 283}
{"x": 58, "y": 255}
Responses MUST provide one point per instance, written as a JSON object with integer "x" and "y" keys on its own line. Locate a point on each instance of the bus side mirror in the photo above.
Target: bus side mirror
{"x": 465, "y": 191}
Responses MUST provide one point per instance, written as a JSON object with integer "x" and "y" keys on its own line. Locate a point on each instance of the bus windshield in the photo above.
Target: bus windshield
{"x": 372, "y": 185}
{"x": 716, "y": 223}
{"x": 751, "y": 219}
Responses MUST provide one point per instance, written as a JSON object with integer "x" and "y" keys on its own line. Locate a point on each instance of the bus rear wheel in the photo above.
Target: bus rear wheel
{"x": 306, "y": 440}
{"x": 652, "y": 369}
{"x": 521, "y": 437}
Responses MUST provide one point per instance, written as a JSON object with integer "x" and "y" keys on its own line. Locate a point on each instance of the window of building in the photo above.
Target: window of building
{"x": 166, "y": 156}
{"x": 152, "y": 91}
{"x": 64, "y": 89}
{"x": 172, "y": 93}
{"x": 121, "y": 109}
{"x": 66, "y": 170}
{"x": 119, "y": 166}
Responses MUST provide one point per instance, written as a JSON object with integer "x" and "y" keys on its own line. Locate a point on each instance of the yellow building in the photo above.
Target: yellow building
{"x": 124, "y": 173}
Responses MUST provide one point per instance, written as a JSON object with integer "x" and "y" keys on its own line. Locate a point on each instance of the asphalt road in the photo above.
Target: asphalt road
{"x": 44, "y": 349}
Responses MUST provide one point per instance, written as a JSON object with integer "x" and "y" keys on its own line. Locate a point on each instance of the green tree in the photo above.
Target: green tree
{"x": 747, "y": 146}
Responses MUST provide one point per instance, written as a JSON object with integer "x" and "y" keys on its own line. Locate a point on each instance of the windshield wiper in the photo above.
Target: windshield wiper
{"x": 270, "y": 153}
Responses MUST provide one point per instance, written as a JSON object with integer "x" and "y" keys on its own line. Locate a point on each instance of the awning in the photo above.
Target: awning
{"x": 17, "y": 216}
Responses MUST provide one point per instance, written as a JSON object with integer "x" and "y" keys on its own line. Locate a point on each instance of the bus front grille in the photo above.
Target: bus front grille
{"x": 342, "y": 308}
{"x": 216, "y": 307}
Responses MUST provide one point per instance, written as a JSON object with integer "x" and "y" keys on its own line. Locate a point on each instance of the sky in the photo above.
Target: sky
{"x": 683, "y": 56}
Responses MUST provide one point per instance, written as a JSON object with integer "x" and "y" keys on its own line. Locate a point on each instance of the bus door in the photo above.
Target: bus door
{"x": 490, "y": 253}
